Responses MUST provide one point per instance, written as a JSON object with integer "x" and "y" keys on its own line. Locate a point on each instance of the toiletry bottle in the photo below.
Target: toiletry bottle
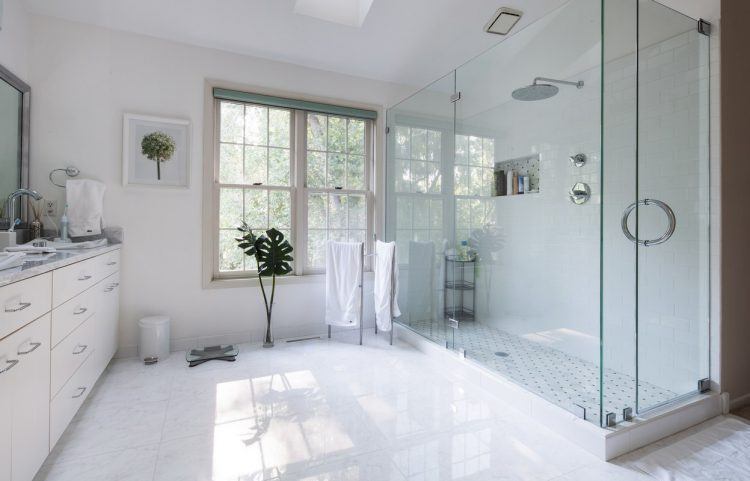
{"x": 64, "y": 224}
{"x": 463, "y": 253}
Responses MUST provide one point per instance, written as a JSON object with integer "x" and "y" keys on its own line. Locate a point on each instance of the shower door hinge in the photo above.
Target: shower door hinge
{"x": 456, "y": 97}
{"x": 704, "y": 27}
{"x": 610, "y": 420}
{"x": 462, "y": 353}
{"x": 452, "y": 323}
{"x": 627, "y": 414}
{"x": 704, "y": 385}
{"x": 387, "y": 130}
{"x": 579, "y": 411}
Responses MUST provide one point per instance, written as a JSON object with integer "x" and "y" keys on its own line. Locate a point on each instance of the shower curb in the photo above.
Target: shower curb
{"x": 604, "y": 443}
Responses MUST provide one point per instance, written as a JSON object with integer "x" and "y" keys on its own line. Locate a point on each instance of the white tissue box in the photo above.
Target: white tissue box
{"x": 7, "y": 239}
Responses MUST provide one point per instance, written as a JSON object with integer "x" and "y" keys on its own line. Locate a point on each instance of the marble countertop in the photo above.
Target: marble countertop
{"x": 37, "y": 264}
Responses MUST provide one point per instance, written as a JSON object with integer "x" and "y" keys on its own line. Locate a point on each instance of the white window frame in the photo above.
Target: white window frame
{"x": 212, "y": 277}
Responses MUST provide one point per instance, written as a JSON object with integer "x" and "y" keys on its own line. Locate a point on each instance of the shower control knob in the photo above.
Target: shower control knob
{"x": 579, "y": 160}
{"x": 580, "y": 193}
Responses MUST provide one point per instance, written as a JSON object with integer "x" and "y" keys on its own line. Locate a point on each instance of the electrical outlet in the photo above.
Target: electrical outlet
{"x": 50, "y": 207}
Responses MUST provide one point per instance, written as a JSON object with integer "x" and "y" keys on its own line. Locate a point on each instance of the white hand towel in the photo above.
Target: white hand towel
{"x": 385, "y": 285}
{"x": 343, "y": 278}
{"x": 85, "y": 199}
{"x": 420, "y": 289}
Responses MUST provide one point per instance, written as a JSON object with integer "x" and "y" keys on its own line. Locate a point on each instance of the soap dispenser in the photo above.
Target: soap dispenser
{"x": 64, "y": 225}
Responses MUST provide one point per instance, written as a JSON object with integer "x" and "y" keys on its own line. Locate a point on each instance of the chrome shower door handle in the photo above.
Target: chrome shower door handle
{"x": 649, "y": 242}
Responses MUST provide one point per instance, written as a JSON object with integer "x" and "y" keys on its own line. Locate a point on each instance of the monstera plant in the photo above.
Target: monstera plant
{"x": 272, "y": 256}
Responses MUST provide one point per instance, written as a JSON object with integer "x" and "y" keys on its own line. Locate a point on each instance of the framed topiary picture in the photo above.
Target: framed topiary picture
{"x": 156, "y": 151}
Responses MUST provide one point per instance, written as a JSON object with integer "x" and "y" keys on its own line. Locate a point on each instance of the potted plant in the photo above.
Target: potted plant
{"x": 272, "y": 257}
{"x": 159, "y": 147}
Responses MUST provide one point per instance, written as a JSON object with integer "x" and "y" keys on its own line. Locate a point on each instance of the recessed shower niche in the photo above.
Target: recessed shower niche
{"x": 516, "y": 176}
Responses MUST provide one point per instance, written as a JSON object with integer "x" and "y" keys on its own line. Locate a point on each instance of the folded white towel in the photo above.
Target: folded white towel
{"x": 343, "y": 281}
{"x": 11, "y": 259}
{"x": 85, "y": 198}
{"x": 385, "y": 285}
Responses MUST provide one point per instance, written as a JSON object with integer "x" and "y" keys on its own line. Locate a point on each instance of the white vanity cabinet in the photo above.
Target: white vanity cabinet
{"x": 58, "y": 332}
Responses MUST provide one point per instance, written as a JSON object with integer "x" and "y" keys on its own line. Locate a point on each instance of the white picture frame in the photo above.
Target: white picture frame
{"x": 138, "y": 170}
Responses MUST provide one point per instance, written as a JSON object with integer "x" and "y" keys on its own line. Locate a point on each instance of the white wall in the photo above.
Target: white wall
{"x": 83, "y": 79}
{"x": 14, "y": 39}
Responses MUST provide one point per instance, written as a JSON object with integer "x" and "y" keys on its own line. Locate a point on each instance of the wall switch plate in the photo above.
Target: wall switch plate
{"x": 50, "y": 207}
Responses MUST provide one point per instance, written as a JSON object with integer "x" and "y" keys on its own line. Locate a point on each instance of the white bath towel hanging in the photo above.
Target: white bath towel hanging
{"x": 385, "y": 285}
{"x": 85, "y": 199}
{"x": 343, "y": 280}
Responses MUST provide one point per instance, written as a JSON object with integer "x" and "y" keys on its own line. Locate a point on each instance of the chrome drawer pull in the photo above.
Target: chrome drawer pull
{"x": 21, "y": 307}
{"x": 84, "y": 278}
{"x": 113, "y": 263}
{"x": 35, "y": 346}
{"x": 83, "y": 348}
{"x": 80, "y": 311}
{"x": 82, "y": 389}
{"x": 12, "y": 363}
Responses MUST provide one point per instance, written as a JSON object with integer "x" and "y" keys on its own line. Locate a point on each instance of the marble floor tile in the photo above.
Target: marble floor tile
{"x": 334, "y": 410}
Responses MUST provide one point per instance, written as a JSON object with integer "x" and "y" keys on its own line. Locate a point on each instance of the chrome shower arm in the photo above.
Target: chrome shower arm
{"x": 578, "y": 84}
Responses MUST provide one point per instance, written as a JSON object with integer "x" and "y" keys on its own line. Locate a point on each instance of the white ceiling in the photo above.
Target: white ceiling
{"x": 410, "y": 42}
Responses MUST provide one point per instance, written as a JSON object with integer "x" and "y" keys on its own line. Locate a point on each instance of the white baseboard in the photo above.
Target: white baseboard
{"x": 739, "y": 402}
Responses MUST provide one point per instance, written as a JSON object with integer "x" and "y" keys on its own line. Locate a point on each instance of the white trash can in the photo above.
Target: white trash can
{"x": 154, "y": 338}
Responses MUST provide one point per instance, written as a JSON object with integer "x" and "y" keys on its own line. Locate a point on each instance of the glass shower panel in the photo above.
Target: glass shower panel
{"x": 418, "y": 204}
{"x": 527, "y": 132}
{"x": 672, "y": 220}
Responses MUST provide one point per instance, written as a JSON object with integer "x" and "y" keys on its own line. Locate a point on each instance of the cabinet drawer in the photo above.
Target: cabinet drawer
{"x": 70, "y": 353}
{"x": 67, "y": 402}
{"x": 71, "y": 314}
{"x": 69, "y": 281}
{"x": 24, "y": 301}
{"x": 109, "y": 262}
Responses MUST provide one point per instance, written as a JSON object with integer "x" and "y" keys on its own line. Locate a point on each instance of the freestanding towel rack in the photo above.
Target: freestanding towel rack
{"x": 362, "y": 294}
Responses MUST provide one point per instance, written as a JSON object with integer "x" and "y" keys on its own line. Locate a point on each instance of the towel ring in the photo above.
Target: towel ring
{"x": 69, "y": 171}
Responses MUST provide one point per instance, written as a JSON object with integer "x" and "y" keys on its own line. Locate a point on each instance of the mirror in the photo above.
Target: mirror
{"x": 14, "y": 141}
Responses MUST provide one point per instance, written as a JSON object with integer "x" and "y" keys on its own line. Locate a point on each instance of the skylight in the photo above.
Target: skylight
{"x": 344, "y": 12}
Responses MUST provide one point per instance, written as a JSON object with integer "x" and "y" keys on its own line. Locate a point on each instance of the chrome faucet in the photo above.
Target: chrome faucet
{"x": 12, "y": 203}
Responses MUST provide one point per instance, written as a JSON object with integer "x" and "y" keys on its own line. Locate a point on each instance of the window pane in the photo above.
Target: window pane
{"x": 279, "y": 209}
{"x": 436, "y": 214}
{"x": 357, "y": 235}
{"x": 337, "y": 211}
{"x": 230, "y": 208}
{"x": 316, "y": 132}
{"x": 278, "y": 166}
{"x": 336, "y": 134}
{"x": 317, "y": 211}
{"x": 475, "y": 150}
{"x": 462, "y": 149}
{"x": 232, "y": 122}
{"x": 256, "y": 125}
{"x": 356, "y": 140}
{"x": 419, "y": 144}
{"x": 419, "y": 176}
{"x": 476, "y": 182}
{"x": 403, "y": 213}
{"x": 316, "y": 243}
{"x": 461, "y": 180}
{"x": 338, "y": 235}
{"x": 278, "y": 128}
{"x": 357, "y": 212}
{"x": 256, "y": 208}
{"x": 488, "y": 152}
{"x": 433, "y": 146}
{"x": 463, "y": 213}
{"x": 316, "y": 170}
{"x": 355, "y": 172}
{"x": 403, "y": 176}
{"x": 255, "y": 165}
{"x": 230, "y": 164}
{"x": 403, "y": 143}
{"x": 433, "y": 177}
{"x": 231, "y": 257}
{"x": 336, "y": 170}
{"x": 421, "y": 213}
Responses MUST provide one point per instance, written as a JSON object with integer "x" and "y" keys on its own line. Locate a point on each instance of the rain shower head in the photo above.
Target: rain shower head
{"x": 541, "y": 91}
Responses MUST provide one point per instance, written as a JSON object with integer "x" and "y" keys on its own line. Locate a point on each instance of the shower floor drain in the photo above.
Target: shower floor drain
{"x": 501, "y": 354}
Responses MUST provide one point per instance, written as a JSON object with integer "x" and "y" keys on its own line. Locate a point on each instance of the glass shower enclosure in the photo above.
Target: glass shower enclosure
{"x": 550, "y": 204}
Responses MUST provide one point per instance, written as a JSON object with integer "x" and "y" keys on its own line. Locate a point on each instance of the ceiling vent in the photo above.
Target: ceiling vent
{"x": 503, "y": 21}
